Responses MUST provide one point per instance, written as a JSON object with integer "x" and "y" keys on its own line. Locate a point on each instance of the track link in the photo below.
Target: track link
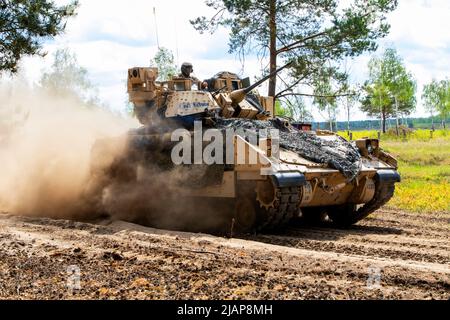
{"x": 285, "y": 208}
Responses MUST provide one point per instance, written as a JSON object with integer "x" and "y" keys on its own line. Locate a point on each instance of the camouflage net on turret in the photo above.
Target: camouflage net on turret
{"x": 336, "y": 152}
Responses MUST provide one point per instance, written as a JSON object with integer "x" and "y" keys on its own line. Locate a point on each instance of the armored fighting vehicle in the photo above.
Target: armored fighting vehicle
{"x": 274, "y": 172}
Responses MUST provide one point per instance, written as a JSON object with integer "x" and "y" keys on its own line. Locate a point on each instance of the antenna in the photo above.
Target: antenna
{"x": 176, "y": 41}
{"x": 156, "y": 27}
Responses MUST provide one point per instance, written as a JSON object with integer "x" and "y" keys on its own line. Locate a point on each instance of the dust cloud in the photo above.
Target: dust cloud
{"x": 61, "y": 160}
{"x": 160, "y": 199}
{"x": 45, "y": 145}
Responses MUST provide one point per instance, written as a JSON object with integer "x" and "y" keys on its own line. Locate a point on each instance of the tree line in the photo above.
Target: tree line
{"x": 358, "y": 125}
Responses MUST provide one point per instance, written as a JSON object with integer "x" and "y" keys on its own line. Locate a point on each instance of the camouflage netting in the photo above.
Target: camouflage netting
{"x": 337, "y": 152}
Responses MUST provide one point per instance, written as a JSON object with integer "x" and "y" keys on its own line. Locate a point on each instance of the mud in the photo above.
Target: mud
{"x": 391, "y": 255}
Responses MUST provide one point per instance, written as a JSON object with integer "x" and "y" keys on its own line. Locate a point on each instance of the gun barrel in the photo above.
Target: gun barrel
{"x": 259, "y": 82}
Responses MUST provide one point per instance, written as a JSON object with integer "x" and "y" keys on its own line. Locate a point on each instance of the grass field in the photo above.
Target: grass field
{"x": 424, "y": 164}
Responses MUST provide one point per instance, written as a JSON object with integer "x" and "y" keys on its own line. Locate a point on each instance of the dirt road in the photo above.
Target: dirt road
{"x": 391, "y": 255}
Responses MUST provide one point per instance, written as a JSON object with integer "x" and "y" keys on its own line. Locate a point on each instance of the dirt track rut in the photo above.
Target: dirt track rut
{"x": 391, "y": 255}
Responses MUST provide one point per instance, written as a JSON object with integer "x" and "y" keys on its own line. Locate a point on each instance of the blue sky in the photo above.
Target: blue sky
{"x": 111, "y": 36}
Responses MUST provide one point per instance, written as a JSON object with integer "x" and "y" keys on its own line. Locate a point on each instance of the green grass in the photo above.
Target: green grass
{"x": 424, "y": 164}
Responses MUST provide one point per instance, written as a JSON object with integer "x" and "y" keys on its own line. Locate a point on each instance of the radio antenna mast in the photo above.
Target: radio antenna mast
{"x": 156, "y": 27}
{"x": 176, "y": 41}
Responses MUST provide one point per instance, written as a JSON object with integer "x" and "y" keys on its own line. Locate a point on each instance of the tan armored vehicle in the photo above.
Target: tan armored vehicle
{"x": 281, "y": 174}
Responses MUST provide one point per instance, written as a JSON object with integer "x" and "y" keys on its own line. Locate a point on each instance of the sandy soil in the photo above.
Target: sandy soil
{"x": 391, "y": 255}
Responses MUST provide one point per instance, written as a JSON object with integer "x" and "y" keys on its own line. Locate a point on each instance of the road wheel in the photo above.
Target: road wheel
{"x": 244, "y": 215}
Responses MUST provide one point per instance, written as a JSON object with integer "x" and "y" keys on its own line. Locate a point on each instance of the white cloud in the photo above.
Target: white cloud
{"x": 422, "y": 22}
